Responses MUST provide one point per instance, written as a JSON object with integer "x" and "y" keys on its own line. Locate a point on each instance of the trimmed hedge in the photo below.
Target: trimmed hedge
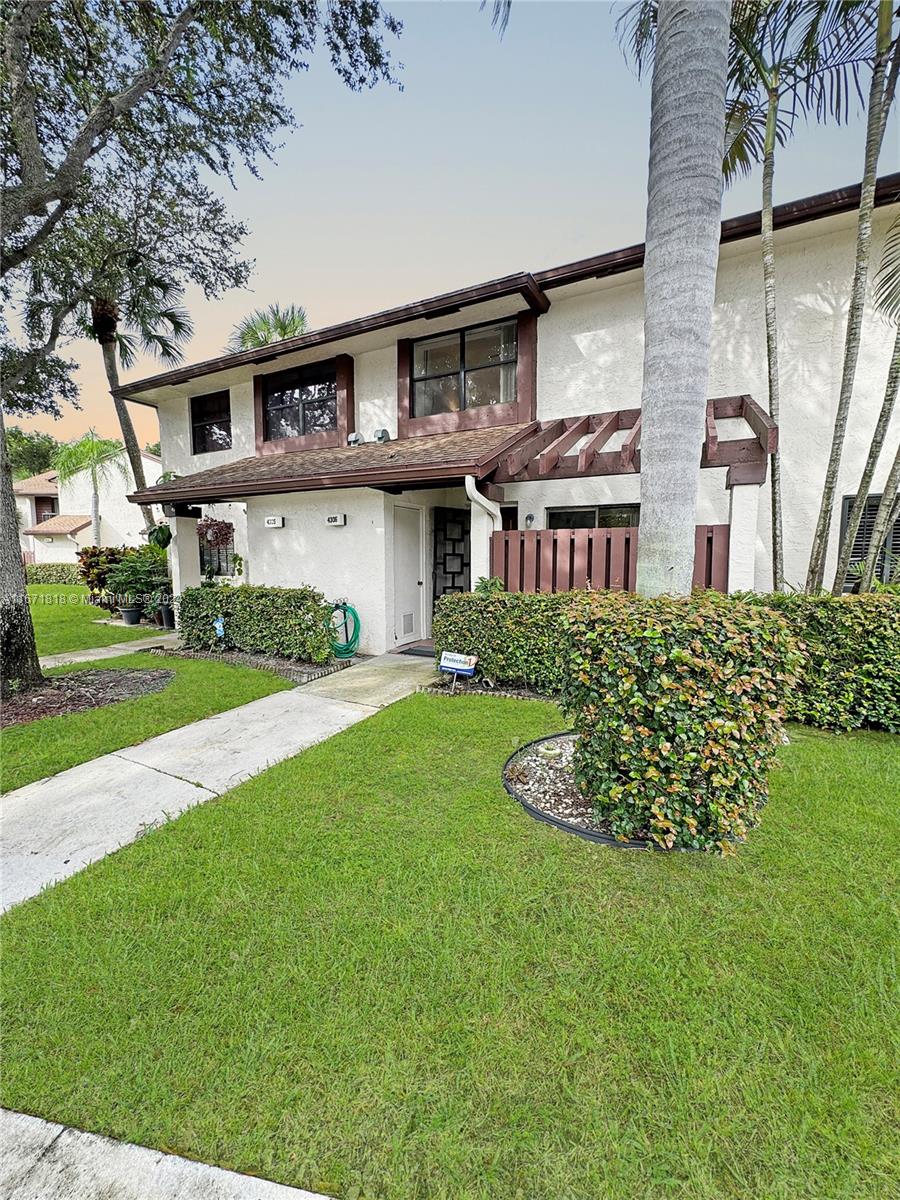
{"x": 676, "y": 703}
{"x": 851, "y": 672}
{"x": 289, "y": 622}
{"x": 52, "y": 573}
{"x": 516, "y": 635}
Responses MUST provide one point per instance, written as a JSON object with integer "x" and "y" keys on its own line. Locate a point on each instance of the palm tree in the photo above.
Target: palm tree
{"x": 888, "y": 512}
{"x": 786, "y": 55}
{"x": 154, "y": 322}
{"x": 887, "y": 301}
{"x": 101, "y": 457}
{"x": 687, "y": 135}
{"x": 267, "y": 325}
{"x": 882, "y": 88}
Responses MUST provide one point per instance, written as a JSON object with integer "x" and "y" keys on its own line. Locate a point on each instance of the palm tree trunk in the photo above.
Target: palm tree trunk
{"x": 884, "y": 519}
{"x": 862, "y": 491}
{"x": 879, "y": 103}
{"x": 95, "y": 511}
{"x": 18, "y": 653}
{"x": 768, "y": 259}
{"x": 105, "y": 317}
{"x": 687, "y": 134}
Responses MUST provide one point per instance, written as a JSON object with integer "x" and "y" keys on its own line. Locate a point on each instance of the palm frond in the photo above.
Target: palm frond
{"x": 636, "y": 30}
{"x": 500, "y": 14}
{"x": 100, "y": 456}
{"x": 267, "y": 325}
{"x": 887, "y": 279}
{"x": 127, "y": 346}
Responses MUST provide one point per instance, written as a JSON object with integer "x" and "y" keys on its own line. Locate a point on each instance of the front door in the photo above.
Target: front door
{"x": 451, "y": 551}
{"x": 409, "y": 586}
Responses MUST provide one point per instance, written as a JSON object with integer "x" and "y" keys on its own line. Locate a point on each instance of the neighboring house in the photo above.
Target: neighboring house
{"x": 392, "y": 458}
{"x": 37, "y": 501}
{"x": 55, "y": 534}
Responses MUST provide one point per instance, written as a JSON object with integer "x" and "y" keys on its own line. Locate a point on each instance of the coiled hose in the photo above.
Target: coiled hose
{"x": 344, "y": 628}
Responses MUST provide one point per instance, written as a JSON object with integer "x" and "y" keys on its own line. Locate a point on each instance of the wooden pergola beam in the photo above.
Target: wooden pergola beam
{"x": 761, "y": 423}
{"x": 630, "y": 445}
{"x": 522, "y": 455}
{"x": 548, "y": 458}
{"x": 712, "y": 434}
{"x": 606, "y": 427}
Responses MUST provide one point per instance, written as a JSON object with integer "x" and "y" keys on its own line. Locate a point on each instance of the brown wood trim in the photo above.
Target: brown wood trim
{"x": 526, "y": 366}
{"x": 749, "y": 472}
{"x": 526, "y": 452}
{"x": 404, "y": 385}
{"x": 346, "y": 414}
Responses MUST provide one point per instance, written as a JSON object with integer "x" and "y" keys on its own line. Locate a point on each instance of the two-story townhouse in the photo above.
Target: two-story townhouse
{"x": 58, "y": 522}
{"x": 496, "y": 430}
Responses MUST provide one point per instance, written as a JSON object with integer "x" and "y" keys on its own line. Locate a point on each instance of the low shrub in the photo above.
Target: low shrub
{"x": 52, "y": 573}
{"x": 289, "y": 622}
{"x": 140, "y": 579}
{"x": 851, "y": 672}
{"x": 677, "y": 707}
{"x": 95, "y": 564}
{"x": 516, "y": 635}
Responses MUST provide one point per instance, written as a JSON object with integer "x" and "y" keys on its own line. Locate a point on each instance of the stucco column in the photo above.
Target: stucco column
{"x": 743, "y": 516}
{"x": 184, "y": 554}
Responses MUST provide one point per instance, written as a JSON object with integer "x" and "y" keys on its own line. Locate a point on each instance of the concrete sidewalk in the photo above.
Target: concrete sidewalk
{"x": 113, "y": 651}
{"x": 40, "y": 1160}
{"x": 52, "y": 828}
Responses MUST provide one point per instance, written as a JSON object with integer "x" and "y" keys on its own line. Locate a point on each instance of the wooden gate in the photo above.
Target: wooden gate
{"x": 557, "y": 560}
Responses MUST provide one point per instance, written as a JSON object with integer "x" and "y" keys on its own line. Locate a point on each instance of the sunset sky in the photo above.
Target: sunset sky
{"x": 496, "y": 156}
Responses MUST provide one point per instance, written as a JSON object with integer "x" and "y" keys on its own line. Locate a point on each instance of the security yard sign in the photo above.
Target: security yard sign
{"x": 458, "y": 664}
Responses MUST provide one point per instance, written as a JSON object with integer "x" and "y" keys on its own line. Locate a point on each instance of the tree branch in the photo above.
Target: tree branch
{"x": 15, "y": 257}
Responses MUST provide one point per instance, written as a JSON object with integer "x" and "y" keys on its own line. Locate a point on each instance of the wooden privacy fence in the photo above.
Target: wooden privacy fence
{"x": 557, "y": 560}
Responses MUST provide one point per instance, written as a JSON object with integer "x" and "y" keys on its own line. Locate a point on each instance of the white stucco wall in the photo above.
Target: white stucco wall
{"x": 25, "y": 511}
{"x": 56, "y": 548}
{"x": 590, "y": 347}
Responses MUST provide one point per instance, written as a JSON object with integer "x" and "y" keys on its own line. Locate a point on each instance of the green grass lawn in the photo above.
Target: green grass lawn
{"x": 63, "y": 620}
{"x": 368, "y": 972}
{"x": 200, "y": 689}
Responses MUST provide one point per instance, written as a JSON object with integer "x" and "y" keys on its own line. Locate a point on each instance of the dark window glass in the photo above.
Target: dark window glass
{"x": 299, "y": 402}
{"x": 887, "y": 566}
{"x": 216, "y": 560}
{"x": 468, "y": 369}
{"x": 607, "y": 516}
{"x": 509, "y": 516}
{"x": 211, "y": 422}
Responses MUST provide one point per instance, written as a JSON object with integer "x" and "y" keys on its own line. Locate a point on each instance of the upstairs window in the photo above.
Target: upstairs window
{"x": 300, "y": 401}
{"x": 211, "y": 422}
{"x": 888, "y": 563}
{"x": 470, "y": 368}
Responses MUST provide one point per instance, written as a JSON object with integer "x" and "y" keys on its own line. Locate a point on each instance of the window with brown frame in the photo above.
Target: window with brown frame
{"x": 468, "y": 368}
{"x": 211, "y": 422}
{"x": 300, "y": 401}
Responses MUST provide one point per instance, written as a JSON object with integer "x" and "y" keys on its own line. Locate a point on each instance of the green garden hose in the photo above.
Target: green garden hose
{"x": 344, "y": 629}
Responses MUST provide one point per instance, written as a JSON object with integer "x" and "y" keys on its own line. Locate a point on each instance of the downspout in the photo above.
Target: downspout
{"x": 492, "y": 509}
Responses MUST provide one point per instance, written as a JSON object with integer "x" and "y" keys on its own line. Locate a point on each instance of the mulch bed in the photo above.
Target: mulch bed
{"x": 542, "y": 775}
{"x": 296, "y": 672}
{"x": 78, "y": 691}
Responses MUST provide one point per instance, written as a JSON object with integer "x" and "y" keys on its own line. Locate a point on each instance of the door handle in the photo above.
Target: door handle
{"x": 421, "y": 584}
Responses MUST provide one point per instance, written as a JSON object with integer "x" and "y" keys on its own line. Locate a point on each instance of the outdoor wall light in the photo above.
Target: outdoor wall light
{"x": 529, "y": 520}
{"x": 382, "y": 436}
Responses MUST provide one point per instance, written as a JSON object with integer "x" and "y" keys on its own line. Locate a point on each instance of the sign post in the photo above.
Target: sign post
{"x": 457, "y": 664}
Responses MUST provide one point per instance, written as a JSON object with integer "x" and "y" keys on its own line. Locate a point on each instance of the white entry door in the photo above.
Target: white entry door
{"x": 409, "y": 581}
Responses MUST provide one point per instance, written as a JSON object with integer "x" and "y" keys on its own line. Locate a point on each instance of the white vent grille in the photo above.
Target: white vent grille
{"x": 407, "y": 622}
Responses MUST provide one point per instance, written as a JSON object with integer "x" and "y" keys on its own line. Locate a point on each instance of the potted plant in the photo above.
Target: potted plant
{"x": 163, "y": 610}
{"x": 134, "y": 581}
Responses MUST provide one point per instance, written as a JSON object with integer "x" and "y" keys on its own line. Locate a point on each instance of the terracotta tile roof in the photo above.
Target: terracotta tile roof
{"x": 410, "y": 460}
{"x": 37, "y": 485}
{"x": 62, "y": 523}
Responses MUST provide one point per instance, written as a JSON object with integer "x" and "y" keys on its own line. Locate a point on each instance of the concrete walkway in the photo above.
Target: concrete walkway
{"x": 52, "y": 828}
{"x": 40, "y": 1160}
{"x": 113, "y": 651}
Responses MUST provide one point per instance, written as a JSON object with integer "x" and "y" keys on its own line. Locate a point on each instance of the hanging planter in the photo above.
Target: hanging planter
{"x": 160, "y": 535}
{"x": 219, "y": 534}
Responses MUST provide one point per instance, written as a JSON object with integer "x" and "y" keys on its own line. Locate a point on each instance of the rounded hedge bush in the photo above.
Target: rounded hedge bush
{"x": 288, "y": 622}
{"x": 678, "y": 707}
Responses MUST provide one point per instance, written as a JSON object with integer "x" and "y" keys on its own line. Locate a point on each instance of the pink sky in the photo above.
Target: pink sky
{"x": 495, "y": 157}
